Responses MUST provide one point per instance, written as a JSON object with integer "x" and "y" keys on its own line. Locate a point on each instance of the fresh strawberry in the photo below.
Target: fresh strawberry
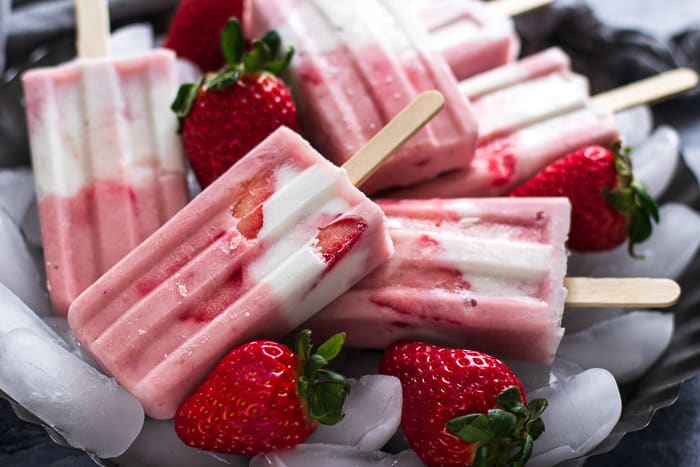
{"x": 608, "y": 203}
{"x": 195, "y": 27}
{"x": 263, "y": 397}
{"x": 228, "y": 113}
{"x": 337, "y": 238}
{"x": 462, "y": 407}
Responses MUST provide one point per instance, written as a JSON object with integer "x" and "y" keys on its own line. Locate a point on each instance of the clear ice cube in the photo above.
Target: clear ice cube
{"x": 89, "y": 410}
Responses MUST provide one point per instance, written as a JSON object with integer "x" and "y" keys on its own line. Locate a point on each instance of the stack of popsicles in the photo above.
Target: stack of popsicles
{"x": 284, "y": 233}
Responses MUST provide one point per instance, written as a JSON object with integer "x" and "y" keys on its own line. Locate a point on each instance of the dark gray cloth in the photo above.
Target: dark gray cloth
{"x": 36, "y": 22}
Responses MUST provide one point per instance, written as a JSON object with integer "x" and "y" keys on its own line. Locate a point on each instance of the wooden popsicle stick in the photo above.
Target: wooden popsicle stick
{"x": 92, "y": 21}
{"x": 621, "y": 292}
{"x": 646, "y": 91}
{"x": 516, "y": 7}
{"x": 411, "y": 119}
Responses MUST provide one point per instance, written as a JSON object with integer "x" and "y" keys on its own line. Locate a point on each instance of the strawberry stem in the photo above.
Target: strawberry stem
{"x": 633, "y": 200}
{"x": 506, "y": 434}
{"x": 262, "y": 57}
{"x": 324, "y": 390}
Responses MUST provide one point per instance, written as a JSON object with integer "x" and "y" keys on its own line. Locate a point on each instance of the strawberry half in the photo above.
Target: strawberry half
{"x": 337, "y": 238}
{"x": 462, "y": 407}
{"x": 608, "y": 205}
{"x": 262, "y": 397}
{"x": 228, "y": 113}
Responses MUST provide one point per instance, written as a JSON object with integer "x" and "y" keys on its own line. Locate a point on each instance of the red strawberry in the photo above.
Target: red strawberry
{"x": 608, "y": 203}
{"x": 227, "y": 114}
{"x": 462, "y": 407}
{"x": 337, "y": 238}
{"x": 263, "y": 397}
{"x": 247, "y": 204}
{"x": 195, "y": 27}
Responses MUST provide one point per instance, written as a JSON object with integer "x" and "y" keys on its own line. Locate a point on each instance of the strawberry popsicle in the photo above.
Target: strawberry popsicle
{"x": 470, "y": 36}
{"x": 485, "y": 273}
{"x": 107, "y": 161}
{"x": 277, "y": 237}
{"x": 530, "y": 113}
{"x": 358, "y": 64}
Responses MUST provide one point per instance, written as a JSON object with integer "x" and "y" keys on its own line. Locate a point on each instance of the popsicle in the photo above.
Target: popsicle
{"x": 277, "y": 237}
{"x": 470, "y": 35}
{"x": 108, "y": 165}
{"x": 487, "y": 273}
{"x": 482, "y": 273}
{"x": 533, "y": 112}
{"x": 358, "y": 64}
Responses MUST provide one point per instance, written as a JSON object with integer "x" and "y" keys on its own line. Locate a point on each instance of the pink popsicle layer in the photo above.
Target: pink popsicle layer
{"x": 357, "y": 65}
{"x": 107, "y": 161}
{"x": 86, "y": 234}
{"x": 271, "y": 242}
{"x": 470, "y": 37}
{"x": 485, "y": 274}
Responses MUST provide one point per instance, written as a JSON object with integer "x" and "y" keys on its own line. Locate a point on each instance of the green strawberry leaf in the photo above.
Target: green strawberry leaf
{"x": 331, "y": 348}
{"x": 622, "y": 200}
{"x": 326, "y": 402}
{"x": 526, "y": 451}
{"x": 481, "y": 458}
{"x": 324, "y": 390}
{"x": 632, "y": 199}
{"x": 503, "y": 423}
{"x": 475, "y": 428}
{"x": 185, "y": 98}
{"x": 277, "y": 67}
{"x": 509, "y": 397}
{"x": 302, "y": 347}
{"x": 640, "y": 230}
{"x": 223, "y": 80}
{"x": 232, "y": 42}
{"x": 536, "y": 408}
{"x": 257, "y": 58}
{"x": 536, "y": 428}
{"x": 315, "y": 363}
{"x": 507, "y": 434}
{"x": 273, "y": 41}
{"x": 645, "y": 200}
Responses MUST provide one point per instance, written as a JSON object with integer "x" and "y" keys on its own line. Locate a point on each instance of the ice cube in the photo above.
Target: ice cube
{"x": 635, "y": 125}
{"x": 89, "y": 410}
{"x": 16, "y": 192}
{"x": 582, "y": 412}
{"x": 608, "y": 344}
{"x": 691, "y": 156}
{"x": 17, "y": 270}
{"x": 158, "y": 446}
{"x": 655, "y": 160}
{"x": 667, "y": 253}
{"x": 535, "y": 376}
{"x": 15, "y": 314}
{"x": 324, "y": 455}
{"x": 132, "y": 39}
{"x": 372, "y": 415}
